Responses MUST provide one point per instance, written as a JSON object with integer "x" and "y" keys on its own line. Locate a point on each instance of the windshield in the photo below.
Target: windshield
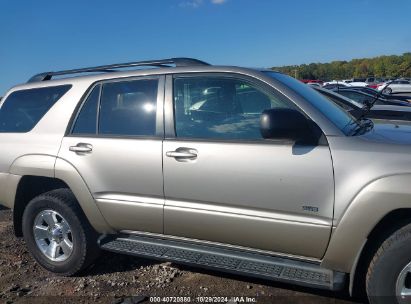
{"x": 339, "y": 117}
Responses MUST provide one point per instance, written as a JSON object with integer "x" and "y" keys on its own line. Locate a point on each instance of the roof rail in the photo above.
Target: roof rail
{"x": 178, "y": 62}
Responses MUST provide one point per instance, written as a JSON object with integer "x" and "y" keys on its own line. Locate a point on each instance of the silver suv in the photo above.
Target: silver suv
{"x": 240, "y": 170}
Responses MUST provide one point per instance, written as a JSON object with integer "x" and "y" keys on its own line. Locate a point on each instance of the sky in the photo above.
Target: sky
{"x": 38, "y": 36}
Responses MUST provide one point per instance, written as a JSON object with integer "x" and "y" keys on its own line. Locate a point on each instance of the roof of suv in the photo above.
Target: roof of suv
{"x": 140, "y": 68}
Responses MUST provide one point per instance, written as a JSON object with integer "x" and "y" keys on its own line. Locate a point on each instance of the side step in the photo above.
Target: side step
{"x": 227, "y": 260}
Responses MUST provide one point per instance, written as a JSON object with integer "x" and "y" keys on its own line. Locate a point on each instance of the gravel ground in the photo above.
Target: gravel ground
{"x": 123, "y": 279}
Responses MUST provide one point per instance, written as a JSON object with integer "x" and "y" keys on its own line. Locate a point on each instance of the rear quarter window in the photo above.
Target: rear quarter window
{"x": 23, "y": 109}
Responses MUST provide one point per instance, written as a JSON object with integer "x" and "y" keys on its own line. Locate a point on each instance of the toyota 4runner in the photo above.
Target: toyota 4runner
{"x": 240, "y": 170}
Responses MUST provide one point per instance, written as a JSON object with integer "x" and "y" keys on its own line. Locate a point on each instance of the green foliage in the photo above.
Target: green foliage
{"x": 382, "y": 66}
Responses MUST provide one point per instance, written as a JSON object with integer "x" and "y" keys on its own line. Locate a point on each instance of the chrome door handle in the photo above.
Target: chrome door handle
{"x": 81, "y": 148}
{"x": 182, "y": 153}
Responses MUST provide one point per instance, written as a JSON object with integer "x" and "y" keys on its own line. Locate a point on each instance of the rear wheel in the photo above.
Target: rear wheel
{"x": 388, "y": 91}
{"x": 58, "y": 234}
{"x": 389, "y": 273}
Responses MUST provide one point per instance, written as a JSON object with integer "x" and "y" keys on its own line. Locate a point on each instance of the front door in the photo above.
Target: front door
{"x": 115, "y": 144}
{"x": 224, "y": 183}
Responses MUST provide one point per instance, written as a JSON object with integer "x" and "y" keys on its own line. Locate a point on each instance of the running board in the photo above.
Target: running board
{"x": 227, "y": 260}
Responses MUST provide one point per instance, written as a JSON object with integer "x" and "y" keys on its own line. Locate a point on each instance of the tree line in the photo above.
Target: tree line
{"x": 393, "y": 66}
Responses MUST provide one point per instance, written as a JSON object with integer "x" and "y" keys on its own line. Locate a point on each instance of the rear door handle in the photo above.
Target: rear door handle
{"x": 183, "y": 154}
{"x": 81, "y": 148}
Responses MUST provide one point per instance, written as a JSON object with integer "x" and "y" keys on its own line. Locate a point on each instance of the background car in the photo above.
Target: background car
{"x": 365, "y": 98}
{"x": 396, "y": 86}
{"x": 381, "y": 112}
{"x": 314, "y": 84}
{"x": 359, "y": 83}
{"x": 335, "y": 85}
{"x": 374, "y": 92}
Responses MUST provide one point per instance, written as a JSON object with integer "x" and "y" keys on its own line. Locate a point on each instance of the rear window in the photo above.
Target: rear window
{"x": 22, "y": 110}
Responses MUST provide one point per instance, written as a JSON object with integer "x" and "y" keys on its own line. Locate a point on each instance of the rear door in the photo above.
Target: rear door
{"x": 115, "y": 144}
{"x": 224, "y": 183}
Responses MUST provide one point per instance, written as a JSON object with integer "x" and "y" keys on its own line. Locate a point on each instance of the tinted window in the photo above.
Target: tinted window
{"x": 221, "y": 108}
{"x": 22, "y": 110}
{"x": 86, "y": 122}
{"x": 361, "y": 98}
{"x": 129, "y": 108}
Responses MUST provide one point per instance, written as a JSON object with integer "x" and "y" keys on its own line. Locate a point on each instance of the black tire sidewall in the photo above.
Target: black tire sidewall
{"x": 386, "y": 270}
{"x": 76, "y": 259}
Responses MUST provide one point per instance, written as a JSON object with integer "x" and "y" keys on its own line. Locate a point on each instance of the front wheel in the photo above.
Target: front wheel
{"x": 389, "y": 273}
{"x": 58, "y": 234}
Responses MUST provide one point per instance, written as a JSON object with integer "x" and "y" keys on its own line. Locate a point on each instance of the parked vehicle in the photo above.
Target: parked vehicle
{"x": 374, "y": 92}
{"x": 314, "y": 84}
{"x": 331, "y": 86}
{"x": 308, "y": 81}
{"x": 365, "y": 98}
{"x": 357, "y": 109}
{"x": 396, "y": 86}
{"x": 358, "y": 84}
{"x": 373, "y": 80}
{"x": 240, "y": 170}
{"x": 359, "y": 79}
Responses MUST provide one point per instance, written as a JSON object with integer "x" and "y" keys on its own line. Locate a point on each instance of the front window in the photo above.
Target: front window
{"x": 221, "y": 107}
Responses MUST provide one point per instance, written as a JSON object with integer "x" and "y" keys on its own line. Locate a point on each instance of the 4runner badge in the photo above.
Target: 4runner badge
{"x": 310, "y": 208}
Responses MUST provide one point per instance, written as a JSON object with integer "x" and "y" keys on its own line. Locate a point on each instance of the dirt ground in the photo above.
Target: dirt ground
{"x": 123, "y": 279}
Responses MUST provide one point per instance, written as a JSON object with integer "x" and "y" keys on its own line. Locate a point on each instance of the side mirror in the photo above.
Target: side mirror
{"x": 284, "y": 124}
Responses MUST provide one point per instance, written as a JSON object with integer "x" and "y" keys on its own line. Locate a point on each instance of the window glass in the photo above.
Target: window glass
{"x": 22, "y": 110}
{"x": 86, "y": 122}
{"x": 220, "y": 108}
{"x": 129, "y": 108}
{"x": 363, "y": 99}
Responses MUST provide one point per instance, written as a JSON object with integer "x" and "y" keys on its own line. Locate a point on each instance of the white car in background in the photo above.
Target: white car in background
{"x": 341, "y": 82}
{"x": 396, "y": 86}
{"x": 358, "y": 84}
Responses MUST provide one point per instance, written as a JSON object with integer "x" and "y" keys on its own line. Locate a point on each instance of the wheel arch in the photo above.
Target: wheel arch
{"x": 378, "y": 209}
{"x": 43, "y": 173}
{"x": 391, "y": 222}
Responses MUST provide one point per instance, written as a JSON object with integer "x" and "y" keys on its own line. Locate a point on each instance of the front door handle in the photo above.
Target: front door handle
{"x": 183, "y": 154}
{"x": 81, "y": 148}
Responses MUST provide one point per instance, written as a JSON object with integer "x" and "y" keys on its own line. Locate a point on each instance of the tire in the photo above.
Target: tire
{"x": 388, "y": 91}
{"x": 390, "y": 265}
{"x": 50, "y": 244}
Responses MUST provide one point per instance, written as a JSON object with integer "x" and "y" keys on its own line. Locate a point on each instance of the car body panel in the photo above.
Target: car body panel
{"x": 120, "y": 182}
{"x": 238, "y": 190}
{"x": 67, "y": 173}
{"x": 375, "y": 200}
{"x": 372, "y": 176}
{"x": 128, "y": 188}
{"x": 8, "y": 189}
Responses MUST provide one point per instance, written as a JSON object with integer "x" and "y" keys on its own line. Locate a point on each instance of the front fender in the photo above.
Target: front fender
{"x": 372, "y": 203}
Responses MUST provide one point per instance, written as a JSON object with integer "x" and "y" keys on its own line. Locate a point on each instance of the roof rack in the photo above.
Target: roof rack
{"x": 178, "y": 62}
